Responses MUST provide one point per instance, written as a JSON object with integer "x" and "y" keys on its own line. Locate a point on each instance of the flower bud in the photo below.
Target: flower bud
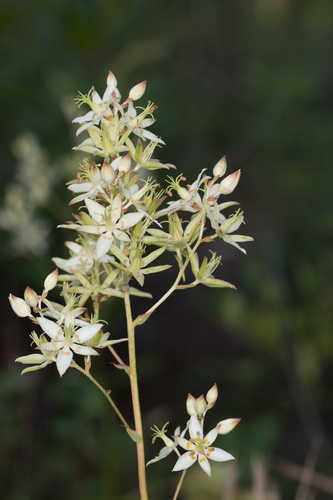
{"x": 51, "y": 280}
{"x": 107, "y": 173}
{"x": 227, "y": 425}
{"x": 111, "y": 80}
{"x": 125, "y": 163}
{"x": 31, "y": 297}
{"x": 95, "y": 174}
{"x": 229, "y": 183}
{"x": 200, "y": 405}
{"x": 211, "y": 396}
{"x": 191, "y": 406}
{"x": 220, "y": 167}
{"x": 19, "y": 306}
{"x": 137, "y": 91}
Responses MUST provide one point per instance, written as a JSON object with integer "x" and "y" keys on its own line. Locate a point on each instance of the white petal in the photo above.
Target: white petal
{"x": 195, "y": 428}
{"x": 96, "y": 211}
{"x": 80, "y": 187}
{"x": 121, "y": 236}
{"x": 185, "y": 461}
{"x": 85, "y": 127}
{"x": 147, "y": 122}
{"x": 218, "y": 455}
{"x": 152, "y": 137}
{"x": 103, "y": 245}
{"x": 51, "y": 328}
{"x": 116, "y": 209}
{"x": 64, "y": 359}
{"x": 74, "y": 247}
{"x": 84, "y": 118}
{"x": 164, "y": 452}
{"x": 31, "y": 359}
{"x": 204, "y": 464}
{"x": 229, "y": 183}
{"x": 86, "y": 332}
{"x": 52, "y": 346}
{"x": 19, "y": 306}
{"x": 96, "y": 97}
{"x": 84, "y": 350}
{"x": 129, "y": 220}
{"x": 211, "y": 436}
{"x": 184, "y": 443}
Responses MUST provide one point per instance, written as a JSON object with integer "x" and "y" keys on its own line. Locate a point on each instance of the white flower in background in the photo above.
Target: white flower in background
{"x": 199, "y": 448}
{"x": 65, "y": 342}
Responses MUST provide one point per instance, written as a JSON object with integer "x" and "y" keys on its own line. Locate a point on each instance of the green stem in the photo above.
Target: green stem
{"x": 143, "y": 317}
{"x": 136, "y": 399}
{"x": 179, "y": 485}
{"x": 104, "y": 391}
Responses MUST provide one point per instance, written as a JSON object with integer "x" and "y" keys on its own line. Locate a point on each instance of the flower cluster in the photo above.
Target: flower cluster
{"x": 126, "y": 221}
{"x": 198, "y": 447}
{"x": 65, "y": 330}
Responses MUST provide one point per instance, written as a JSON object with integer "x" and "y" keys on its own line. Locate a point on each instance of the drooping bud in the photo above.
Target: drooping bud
{"x": 227, "y": 425}
{"x": 19, "y": 306}
{"x": 107, "y": 173}
{"x": 191, "y": 406}
{"x": 125, "y": 163}
{"x": 211, "y": 396}
{"x": 220, "y": 167}
{"x": 51, "y": 280}
{"x": 138, "y": 90}
{"x": 229, "y": 183}
{"x": 31, "y": 297}
{"x": 200, "y": 405}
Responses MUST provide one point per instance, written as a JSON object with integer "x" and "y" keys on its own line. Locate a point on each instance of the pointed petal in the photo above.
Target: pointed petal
{"x": 210, "y": 437}
{"x": 204, "y": 464}
{"x": 64, "y": 359}
{"x": 84, "y": 118}
{"x": 152, "y": 137}
{"x": 86, "y": 332}
{"x": 195, "y": 428}
{"x": 50, "y": 328}
{"x": 84, "y": 350}
{"x": 103, "y": 245}
{"x": 185, "y": 461}
{"x": 96, "y": 211}
{"x": 116, "y": 208}
{"x": 129, "y": 220}
{"x": 164, "y": 452}
{"x": 218, "y": 455}
{"x": 19, "y": 306}
{"x": 80, "y": 187}
{"x": 31, "y": 359}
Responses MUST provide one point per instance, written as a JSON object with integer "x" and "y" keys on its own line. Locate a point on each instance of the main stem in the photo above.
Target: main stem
{"x": 136, "y": 399}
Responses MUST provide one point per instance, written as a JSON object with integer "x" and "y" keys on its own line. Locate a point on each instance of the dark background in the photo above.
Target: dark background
{"x": 250, "y": 79}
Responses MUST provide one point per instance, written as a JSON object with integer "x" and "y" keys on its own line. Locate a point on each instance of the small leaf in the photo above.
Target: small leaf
{"x": 217, "y": 283}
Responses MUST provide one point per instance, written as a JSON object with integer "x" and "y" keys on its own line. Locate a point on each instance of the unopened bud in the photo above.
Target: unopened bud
{"x": 229, "y": 183}
{"x": 200, "y": 405}
{"x": 31, "y": 297}
{"x": 191, "y": 406}
{"x": 19, "y": 306}
{"x": 211, "y": 396}
{"x": 107, "y": 173}
{"x": 125, "y": 163}
{"x": 220, "y": 167}
{"x": 138, "y": 90}
{"x": 227, "y": 425}
{"x": 51, "y": 280}
{"x": 111, "y": 80}
{"x": 95, "y": 174}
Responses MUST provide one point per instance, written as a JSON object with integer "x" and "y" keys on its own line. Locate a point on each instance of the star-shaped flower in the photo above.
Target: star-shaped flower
{"x": 68, "y": 340}
{"x": 200, "y": 448}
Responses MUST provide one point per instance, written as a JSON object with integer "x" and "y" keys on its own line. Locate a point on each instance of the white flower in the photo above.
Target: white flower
{"x": 65, "y": 342}
{"x": 100, "y": 107}
{"x": 200, "y": 448}
{"x": 138, "y": 125}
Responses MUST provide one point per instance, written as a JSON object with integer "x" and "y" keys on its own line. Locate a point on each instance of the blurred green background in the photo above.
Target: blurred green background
{"x": 249, "y": 79}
